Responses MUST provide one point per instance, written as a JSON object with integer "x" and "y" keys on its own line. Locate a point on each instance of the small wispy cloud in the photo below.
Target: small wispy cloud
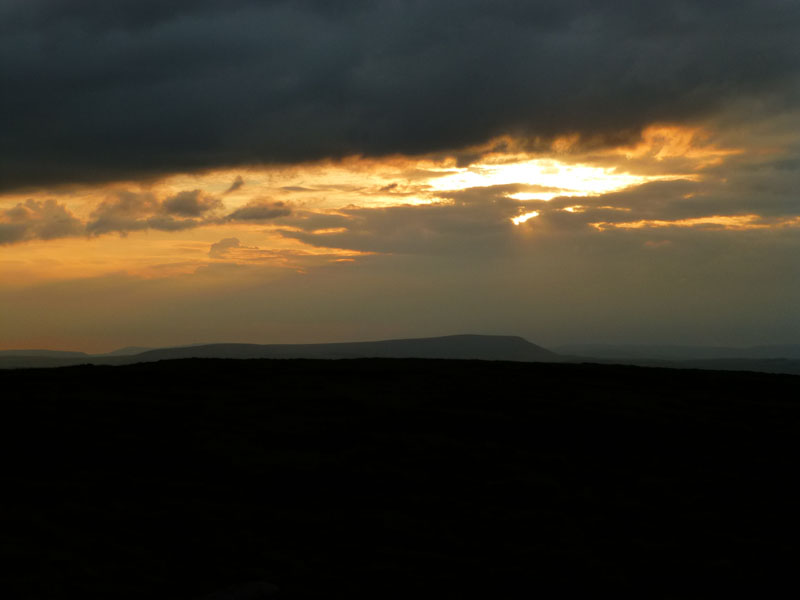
{"x": 237, "y": 184}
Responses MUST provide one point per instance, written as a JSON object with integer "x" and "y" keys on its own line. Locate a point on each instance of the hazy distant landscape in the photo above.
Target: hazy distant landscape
{"x": 767, "y": 359}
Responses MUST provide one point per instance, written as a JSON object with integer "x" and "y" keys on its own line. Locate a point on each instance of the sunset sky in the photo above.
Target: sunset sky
{"x": 309, "y": 171}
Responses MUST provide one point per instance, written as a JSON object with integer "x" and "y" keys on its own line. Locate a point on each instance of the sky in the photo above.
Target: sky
{"x": 312, "y": 171}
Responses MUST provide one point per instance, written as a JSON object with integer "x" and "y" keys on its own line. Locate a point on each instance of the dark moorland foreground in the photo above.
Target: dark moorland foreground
{"x": 382, "y": 478}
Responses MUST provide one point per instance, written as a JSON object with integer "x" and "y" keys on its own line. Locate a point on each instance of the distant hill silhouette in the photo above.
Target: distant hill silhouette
{"x": 674, "y": 352}
{"x": 783, "y": 359}
{"x": 43, "y": 353}
{"x": 766, "y": 359}
{"x": 761, "y": 365}
{"x": 482, "y": 347}
{"x": 127, "y": 351}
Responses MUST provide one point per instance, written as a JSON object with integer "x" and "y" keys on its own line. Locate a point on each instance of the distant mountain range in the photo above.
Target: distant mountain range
{"x": 127, "y": 351}
{"x": 43, "y": 353}
{"x": 769, "y": 359}
{"x": 482, "y": 347}
{"x": 663, "y": 352}
{"x": 766, "y": 359}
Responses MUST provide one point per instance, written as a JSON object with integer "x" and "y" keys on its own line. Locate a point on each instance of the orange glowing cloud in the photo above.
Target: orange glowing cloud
{"x": 661, "y": 142}
{"x": 172, "y": 222}
{"x": 735, "y": 222}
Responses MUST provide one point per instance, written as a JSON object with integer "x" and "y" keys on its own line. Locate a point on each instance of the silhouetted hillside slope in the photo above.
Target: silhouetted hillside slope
{"x": 461, "y": 347}
{"x": 485, "y": 347}
{"x": 126, "y": 351}
{"x": 397, "y": 479}
{"x": 43, "y": 353}
{"x": 680, "y": 353}
{"x": 765, "y": 365}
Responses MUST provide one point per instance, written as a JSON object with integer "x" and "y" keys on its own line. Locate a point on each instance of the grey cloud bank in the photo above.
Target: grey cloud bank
{"x": 260, "y": 210}
{"x": 126, "y": 211}
{"x": 96, "y": 91}
{"x": 32, "y": 219}
{"x": 220, "y": 248}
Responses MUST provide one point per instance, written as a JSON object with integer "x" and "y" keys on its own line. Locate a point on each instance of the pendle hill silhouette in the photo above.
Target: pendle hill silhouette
{"x": 767, "y": 359}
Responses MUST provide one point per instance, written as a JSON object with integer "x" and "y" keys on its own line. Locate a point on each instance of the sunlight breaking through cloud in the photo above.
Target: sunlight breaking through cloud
{"x": 554, "y": 178}
{"x": 526, "y": 217}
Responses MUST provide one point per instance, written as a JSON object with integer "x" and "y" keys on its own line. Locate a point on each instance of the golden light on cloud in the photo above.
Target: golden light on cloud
{"x": 735, "y": 222}
{"x": 545, "y": 196}
{"x": 526, "y": 217}
{"x": 661, "y": 142}
{"x": 322, "y": 190}
{"x": 394, "y": 180}
{"x": 558, "y": 178}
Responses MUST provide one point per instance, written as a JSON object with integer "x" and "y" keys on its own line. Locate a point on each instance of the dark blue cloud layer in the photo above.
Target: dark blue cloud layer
{"x": 94, "y": 90}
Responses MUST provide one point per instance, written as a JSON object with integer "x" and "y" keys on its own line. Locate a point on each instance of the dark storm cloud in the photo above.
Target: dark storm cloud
{"x": 94, "y": 90}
